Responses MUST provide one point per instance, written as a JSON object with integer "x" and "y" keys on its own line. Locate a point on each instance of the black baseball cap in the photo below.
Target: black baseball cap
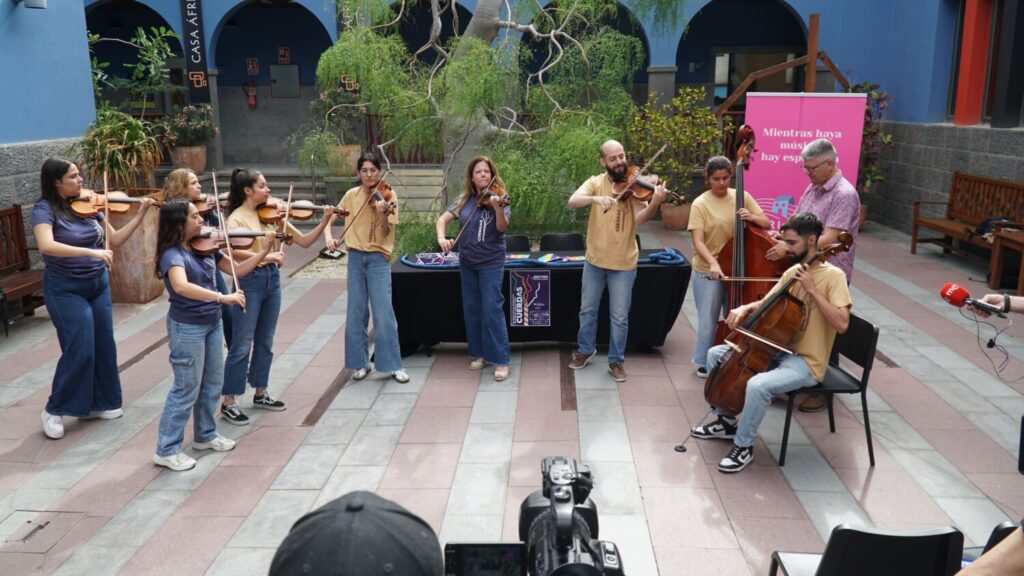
{"x": 359, "y": 534}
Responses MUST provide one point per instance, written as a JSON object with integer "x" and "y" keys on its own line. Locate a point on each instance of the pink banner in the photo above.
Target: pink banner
{"x": 783, "y": 124}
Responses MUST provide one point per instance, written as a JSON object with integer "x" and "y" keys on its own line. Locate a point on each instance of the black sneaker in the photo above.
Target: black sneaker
{"x": 721, "y": 429}
{"x": 738, "y": 459}
{"x": 702, "y": 372}
{"x": 267, "y": 402}
{"x": 234, "y": 415}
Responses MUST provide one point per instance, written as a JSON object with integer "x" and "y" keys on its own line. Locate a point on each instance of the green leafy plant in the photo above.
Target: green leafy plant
{"x": 123, "y": 147}
{"x": 150, "y": 75}
{"x": 188, "y": 126}
{"x": 316, "y": 149}
{"x": 415, "y": 234}
{"x": 874, "y": 139}
{"x": 690, "y": 129}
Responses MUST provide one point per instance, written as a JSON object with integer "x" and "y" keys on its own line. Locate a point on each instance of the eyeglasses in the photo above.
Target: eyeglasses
{"x": 811, "y": 170}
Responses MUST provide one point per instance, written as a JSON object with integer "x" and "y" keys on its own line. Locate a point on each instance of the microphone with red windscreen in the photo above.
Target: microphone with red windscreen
{"x": 958, "y": 296}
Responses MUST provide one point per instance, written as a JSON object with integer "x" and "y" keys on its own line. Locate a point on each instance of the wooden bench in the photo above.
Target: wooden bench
{"x": 18, "y": 281}
{"x": 972, "y": 199}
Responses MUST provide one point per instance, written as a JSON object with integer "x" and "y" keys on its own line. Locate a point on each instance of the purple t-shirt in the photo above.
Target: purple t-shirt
{"x": 73, "y": 231}
{"x": 199, "y": 270}
{"x": 482, "y": 245}
{"x": 837, "y": 205}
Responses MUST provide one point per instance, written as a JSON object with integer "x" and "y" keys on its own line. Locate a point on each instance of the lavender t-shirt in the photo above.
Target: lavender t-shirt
{"x": 73, "y": 231}
{"x": 482, "y": 245}
{"x": 837, "y": 205}
{"x": 200, "y": 271}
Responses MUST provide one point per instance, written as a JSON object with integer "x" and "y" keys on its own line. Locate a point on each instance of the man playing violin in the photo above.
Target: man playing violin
{"x": 612, "y": 255}
{"x": 822, "y": 287}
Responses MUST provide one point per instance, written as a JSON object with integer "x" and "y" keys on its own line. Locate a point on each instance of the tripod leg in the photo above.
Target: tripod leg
{"x": 681, "y": 447}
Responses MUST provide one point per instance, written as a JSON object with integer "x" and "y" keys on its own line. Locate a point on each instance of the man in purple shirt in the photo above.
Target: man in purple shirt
{"x": 836, "y": 203}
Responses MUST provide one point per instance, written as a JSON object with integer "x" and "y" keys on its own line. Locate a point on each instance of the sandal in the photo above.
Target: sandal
{"x": 477, "y": 364}
{"x": 500, "y": 373}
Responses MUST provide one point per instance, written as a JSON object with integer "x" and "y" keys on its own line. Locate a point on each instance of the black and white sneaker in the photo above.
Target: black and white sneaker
{"x": 234, "y": 415}
{"x": 702, "y": 372}
{"x": 721, "y": 429}
{"x": 738, "y": 459}
{"x": 267, "y": 402}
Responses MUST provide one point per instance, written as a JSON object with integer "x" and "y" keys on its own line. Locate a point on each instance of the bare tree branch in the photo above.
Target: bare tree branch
{"x": 401, "y": 11}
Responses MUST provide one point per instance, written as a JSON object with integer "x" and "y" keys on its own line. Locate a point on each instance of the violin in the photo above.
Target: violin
{"x": 273, "y": 211}
{"x": 203, "y": 204}
{"x": 635, "y": 185}
{"x": 211, "y": 239}
{"x": 493, "y": 190}
{"x": 382, "y": 192}
{"x": 763, "y": 334}
{"x": 89, "y": 203}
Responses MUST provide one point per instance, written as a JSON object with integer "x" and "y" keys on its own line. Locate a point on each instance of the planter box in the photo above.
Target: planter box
{"x": 132, "y": 278}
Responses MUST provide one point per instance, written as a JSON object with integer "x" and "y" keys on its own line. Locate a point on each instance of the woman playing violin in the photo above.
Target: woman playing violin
{"x": 76, "y": 288}
{"x": 370, "y": 237}
{"x": 711, "y": 226}
{"x": 483, "y": 216}
{"x": 822, "y": 288}
{"x": 183, "y": 183}
{"x": 194, "y": 333}
{"x": 250, "y": 349}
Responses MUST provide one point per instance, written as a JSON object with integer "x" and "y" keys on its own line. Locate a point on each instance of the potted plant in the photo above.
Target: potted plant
{"x": 186, "y": 132}
{"x": 873, "y": 142}
{"x": 692, "y": 132}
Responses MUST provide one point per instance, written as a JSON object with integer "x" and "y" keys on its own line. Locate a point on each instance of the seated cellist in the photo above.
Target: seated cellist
{"x": 822, "y": 287}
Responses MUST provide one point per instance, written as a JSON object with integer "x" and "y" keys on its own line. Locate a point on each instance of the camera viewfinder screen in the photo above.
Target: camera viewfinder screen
{"x": 493, "y": 560}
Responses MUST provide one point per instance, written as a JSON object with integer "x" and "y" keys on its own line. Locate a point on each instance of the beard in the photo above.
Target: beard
{"x": 617, "y": 174}
{"x": 798, "y": 258}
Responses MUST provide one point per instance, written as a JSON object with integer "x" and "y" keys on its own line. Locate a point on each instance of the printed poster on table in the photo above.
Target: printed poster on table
{"x": 529, "y": 298}
{"x": 783, "y": 124}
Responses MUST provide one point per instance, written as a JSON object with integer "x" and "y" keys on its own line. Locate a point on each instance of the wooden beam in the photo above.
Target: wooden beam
{"x": 835, "y": 71}
{"x": 812, "y": 50}
{"x": 742, "y": 88}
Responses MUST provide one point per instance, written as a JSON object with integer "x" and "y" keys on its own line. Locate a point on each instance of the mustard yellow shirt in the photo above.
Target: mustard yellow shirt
{"x": 611, "y": 236}
{"x": 716, "y": 216}
{"x": 367, "y": 232}
{"x": 814, "y": 344}
{"x": 245, "y": 217}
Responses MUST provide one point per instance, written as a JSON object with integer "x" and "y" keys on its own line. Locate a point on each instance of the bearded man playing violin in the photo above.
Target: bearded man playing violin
{"x": 612, "y": 254}
{"x": 823, "y": 290}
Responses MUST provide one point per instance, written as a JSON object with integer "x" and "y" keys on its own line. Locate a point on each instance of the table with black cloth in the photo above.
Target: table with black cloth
{"x": 428, "y": 304}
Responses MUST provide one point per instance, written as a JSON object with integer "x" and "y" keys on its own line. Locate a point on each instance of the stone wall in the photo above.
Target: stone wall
{"x": 255, "y": 137}
{"x": 19, "y": 176}
{"x": 921, "y": 163}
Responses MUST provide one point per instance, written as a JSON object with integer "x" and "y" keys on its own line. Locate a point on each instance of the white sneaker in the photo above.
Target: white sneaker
{"x": 361, "y": 373}
{"x": 104, "y": 414}
{"x": 53, "y": 426}
{"x": 176, "y": 462}
{"x": 401, "y": 376}
{"x": 217, "y": 444}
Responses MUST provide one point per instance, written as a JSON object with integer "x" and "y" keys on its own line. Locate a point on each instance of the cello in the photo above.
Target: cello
{"x": 762, "y": 335}
{"x": 743, "y": 258}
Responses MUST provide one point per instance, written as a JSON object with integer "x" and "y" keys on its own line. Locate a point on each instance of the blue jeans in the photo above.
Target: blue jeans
{"x": 709, "y": 297}
{"x": 482, "y": 303}
{"x": 250, "y": 352}
{"x": 86, "y": 378}
{"x": 222, "y": 287}
{"x": 620, "y": 296}
{"x": 369, "y": 289}
{"x": 786, "y": 373}
{"x": 197, "y": 359}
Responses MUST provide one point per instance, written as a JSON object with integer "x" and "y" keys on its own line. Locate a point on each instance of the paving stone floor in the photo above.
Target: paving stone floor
{"x": 463, "y": 451}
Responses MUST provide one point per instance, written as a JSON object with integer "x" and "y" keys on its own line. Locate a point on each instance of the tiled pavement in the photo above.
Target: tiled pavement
{"x": 463, "y": 451}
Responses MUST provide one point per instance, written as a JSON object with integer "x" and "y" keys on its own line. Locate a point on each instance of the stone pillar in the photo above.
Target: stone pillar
{"x": 215, "y": 149}
{"x": 661, "y": 80}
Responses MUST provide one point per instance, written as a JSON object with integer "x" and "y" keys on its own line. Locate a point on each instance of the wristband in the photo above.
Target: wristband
{"x": 1006, "y": 303}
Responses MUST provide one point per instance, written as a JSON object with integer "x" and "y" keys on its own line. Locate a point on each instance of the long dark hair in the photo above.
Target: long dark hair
{"x": 53, "y": 170}
{"x": 173, "y": 216}
{"x": 366, "y": 156}
{"x": 241, "y": 178}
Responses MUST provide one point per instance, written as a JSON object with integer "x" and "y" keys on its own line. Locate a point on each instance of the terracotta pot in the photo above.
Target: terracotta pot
{"x": 675, "y": 217}
{"x": 863, "y": 215}
{"x": 131, "y": 276}
{"x": 193, "y": 157}
{"x": 343, "y": 159}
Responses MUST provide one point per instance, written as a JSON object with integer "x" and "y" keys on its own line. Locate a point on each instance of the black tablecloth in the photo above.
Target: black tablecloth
{"x": 428, "y": 305}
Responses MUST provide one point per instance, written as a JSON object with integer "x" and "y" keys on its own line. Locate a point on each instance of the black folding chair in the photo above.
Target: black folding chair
{"x": 1000, "y": 532}
{"x": 565, "y": 241}
{"x": 862, "y": 551}
{"x": 517, "y": 243}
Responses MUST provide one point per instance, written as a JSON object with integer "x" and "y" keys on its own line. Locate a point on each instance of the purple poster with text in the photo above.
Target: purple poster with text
{"x": 529, "y": 298}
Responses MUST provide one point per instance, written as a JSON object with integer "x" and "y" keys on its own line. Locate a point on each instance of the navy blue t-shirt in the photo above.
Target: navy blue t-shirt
{"x": 73, "y": 231}
{"x": 199, "y": 270}
{"x": 482, "y": 245}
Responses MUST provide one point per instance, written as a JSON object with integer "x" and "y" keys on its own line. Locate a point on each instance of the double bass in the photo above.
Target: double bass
{"x": 745, "y": 267}
{"x": 762, "y": 335}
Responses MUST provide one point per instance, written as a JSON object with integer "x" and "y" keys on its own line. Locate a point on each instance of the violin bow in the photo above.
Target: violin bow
{"x": 639, "y": 173}
{"x": 106, "y": 214}
{"x": 348, "y": 223}
{"x": 224, "y": 230}
{"x": 475, "y": 208}
{"x": 287, "y": 209}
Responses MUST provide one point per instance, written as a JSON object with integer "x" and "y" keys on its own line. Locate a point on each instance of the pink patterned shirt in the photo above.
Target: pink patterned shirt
{"x": 837, "y": 205}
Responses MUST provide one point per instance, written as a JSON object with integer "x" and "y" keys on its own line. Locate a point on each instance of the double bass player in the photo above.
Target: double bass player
{"x": 826, "y": 299}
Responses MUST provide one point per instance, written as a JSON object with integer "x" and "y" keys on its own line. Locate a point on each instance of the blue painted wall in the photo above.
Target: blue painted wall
{"x": 44, "y": 61}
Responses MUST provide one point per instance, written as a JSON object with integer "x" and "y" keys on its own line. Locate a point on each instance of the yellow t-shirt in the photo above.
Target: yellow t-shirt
{"x": 611, "y": 236}
{"x": 367, "y": 232}
{"x": 245, "y": 217}
{"x": 814, "y": 344}
{"x": 716, "y": 216}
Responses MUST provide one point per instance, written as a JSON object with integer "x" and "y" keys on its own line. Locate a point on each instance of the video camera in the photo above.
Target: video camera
{"x": 558, "y": 528}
